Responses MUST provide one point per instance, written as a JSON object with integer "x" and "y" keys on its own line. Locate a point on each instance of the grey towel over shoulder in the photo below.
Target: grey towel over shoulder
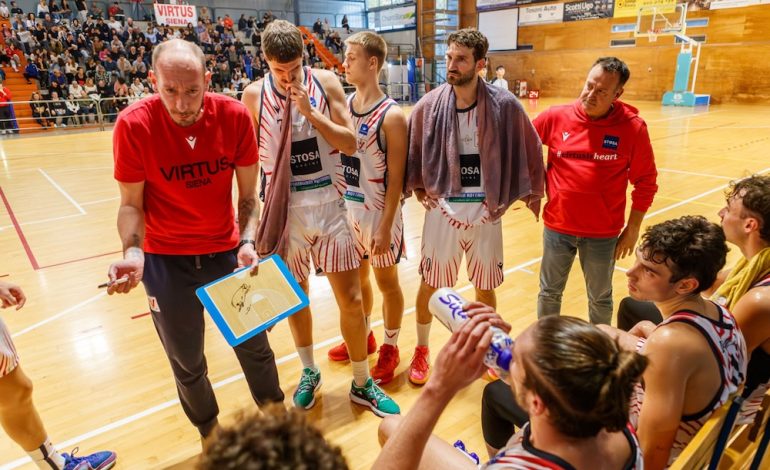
{"x": 509, "y": 147}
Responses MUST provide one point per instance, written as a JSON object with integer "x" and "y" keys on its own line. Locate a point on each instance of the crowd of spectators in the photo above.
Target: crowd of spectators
{"x": 83, "y": 57}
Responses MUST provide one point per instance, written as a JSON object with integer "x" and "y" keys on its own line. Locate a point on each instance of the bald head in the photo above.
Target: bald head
{"x": 180, "y": 77}
{"x": 179, "y": 53}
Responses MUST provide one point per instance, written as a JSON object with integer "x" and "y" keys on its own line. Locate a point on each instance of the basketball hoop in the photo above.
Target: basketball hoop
{"x": 654, "y": 21}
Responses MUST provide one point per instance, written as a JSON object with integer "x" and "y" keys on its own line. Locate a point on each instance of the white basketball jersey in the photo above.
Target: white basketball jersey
{"x": 316, "y": 170}
{"x": 469, "y": 206}
{"x": 366, "y": 170}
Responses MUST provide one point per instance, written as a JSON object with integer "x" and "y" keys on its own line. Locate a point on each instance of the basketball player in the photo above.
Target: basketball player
{"x": 574, "y": 381}
{"x": 18, "y": 414}
{"x": 743, "y": 289}
{"x": 301, "y": 121}
{"x": 374, "y": 175}
{"x": 697, "y": 353}
{"x": 175, "y": 157}
{"x": 472, "y": 153}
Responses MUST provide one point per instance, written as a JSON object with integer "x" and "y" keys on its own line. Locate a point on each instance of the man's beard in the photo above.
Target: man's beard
{"x": 460, "y": 80}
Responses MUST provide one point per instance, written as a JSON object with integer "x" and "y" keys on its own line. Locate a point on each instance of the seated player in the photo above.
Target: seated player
{"x": 573, "y": 380}
{"x": 697, "y": 353}
{"x": 744, "y": 289}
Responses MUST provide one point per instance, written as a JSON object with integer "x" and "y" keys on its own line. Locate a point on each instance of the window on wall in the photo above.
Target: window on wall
{"x": 393, "y": 19}
{"x": 333, "y": 10}
{"x": 623, "y": 42}
{"x": 355, "y": 21}
{"x": 447, "y": 21}
{"x": 623, "y": 28}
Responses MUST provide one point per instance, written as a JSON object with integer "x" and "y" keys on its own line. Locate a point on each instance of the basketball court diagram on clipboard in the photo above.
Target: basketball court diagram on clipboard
{"x": 243, "y": 305}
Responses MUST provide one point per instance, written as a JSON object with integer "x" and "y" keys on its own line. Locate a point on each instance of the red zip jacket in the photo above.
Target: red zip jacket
{"x": 589, "y": 166}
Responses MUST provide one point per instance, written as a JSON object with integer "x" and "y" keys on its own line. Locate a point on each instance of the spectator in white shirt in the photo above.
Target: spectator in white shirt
{"x": 138, "y": 87}
{"x": 500, "y": 80}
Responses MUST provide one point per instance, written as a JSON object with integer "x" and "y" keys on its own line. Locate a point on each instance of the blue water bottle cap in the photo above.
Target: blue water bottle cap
{"x": 504, "y": 359}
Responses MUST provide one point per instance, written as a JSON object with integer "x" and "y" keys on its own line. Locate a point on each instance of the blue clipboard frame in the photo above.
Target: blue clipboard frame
{"x": 222, "y": 324}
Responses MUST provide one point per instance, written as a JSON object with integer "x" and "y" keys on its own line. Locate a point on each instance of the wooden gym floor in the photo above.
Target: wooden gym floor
{"x": 101, "y": 378}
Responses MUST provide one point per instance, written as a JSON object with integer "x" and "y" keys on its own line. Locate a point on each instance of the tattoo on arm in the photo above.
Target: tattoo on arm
{"x": 246, "y": 212}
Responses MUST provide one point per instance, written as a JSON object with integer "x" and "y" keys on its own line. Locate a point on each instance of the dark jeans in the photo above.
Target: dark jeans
{"x": 178, "y": 316}
{"x": 597, "y": 262}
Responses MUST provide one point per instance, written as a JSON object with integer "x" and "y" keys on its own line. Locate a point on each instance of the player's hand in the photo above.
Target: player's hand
{"x": 643, "y": 329}
{"x": 131, "y": 268}
{"x": 299, "y": 96}
{"x": 427, "y": 202}
{"x": 247, "y": 256}
{"x": 11, "y": 294}
{"x": 626, "y": 242}
{"x": 381, "y": 240}
{"x": 461, "y": 361}
{"x": 477, "y": 308}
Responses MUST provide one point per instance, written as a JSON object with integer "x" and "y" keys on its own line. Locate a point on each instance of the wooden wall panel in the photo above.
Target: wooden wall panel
{"x": 732, "y": 64}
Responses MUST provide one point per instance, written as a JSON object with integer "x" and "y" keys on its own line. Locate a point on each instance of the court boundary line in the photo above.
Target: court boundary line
{"x": 62, "y": 191}
{"x": 19, "y": 232}
{"x": 42, "y": 221}
{"x": 283, "y": 359}
{"x": 708, "y": 112}
{"x": 62, "y": 217}
{"x": 99, "y": 201}
{"x": 77, "y": 260}
{"x": 64, "y": 312}
{"x": 692, "y": 173}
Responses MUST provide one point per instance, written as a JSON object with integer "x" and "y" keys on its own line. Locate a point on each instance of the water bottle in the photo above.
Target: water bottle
{"x": 460, "y": 445}
{"x": 447, "y": 306}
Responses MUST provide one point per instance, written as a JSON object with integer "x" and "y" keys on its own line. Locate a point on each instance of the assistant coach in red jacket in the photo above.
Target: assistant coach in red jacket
{"x": 596, "y": 146}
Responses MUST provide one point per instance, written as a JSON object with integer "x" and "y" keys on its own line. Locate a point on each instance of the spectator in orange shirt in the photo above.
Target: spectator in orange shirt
{"x": 228, "y": 22}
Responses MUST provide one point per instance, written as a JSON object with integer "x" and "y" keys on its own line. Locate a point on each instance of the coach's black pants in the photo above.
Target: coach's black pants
{"x": 178, "y": 316}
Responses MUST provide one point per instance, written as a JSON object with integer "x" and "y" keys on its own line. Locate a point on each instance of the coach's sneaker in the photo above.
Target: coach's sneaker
{"x": 304, "y": 396}
{"x": 419, "y": 369}
{"x": 387, "y": 361}
{"x": 371, "y": 395}
{"x": 339, "y": 353}
{"x": 97, "y": 461}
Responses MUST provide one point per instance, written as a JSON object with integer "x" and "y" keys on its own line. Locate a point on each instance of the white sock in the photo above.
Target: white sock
{"x": 368, "y": 321}
{"x": 423, "y": 333}
{"x": 360, "y": 372}
{"x": 306, "y": 356}
{"x": 46, "y": 457}
{"x": 391, "y": 336}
